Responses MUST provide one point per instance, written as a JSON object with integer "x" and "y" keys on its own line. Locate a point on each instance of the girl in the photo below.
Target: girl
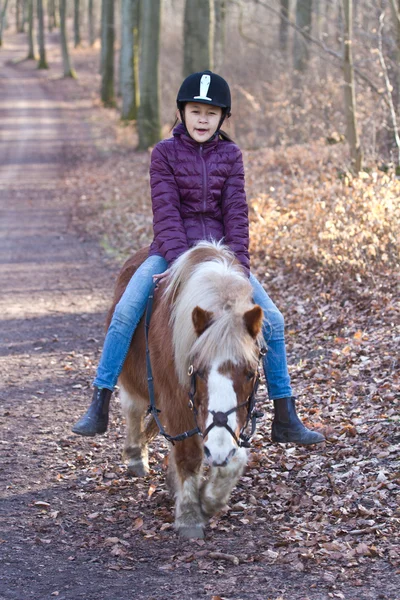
{"x": 197, "y": 190}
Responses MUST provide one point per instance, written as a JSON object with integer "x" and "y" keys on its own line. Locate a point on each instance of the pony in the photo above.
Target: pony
{"x": 204, "y": 340}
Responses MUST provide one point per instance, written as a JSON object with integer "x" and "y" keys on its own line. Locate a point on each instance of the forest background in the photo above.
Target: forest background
{"x": 316, "y": 102}
{"x": 318, "y": 126}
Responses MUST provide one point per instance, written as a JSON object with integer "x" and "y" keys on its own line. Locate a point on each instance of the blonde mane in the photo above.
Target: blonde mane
{"x": 208, "y": 276}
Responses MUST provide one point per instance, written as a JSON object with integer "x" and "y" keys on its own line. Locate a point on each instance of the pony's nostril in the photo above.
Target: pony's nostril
{"x": 231, "y": 454}
{"x": 207, "y": 452}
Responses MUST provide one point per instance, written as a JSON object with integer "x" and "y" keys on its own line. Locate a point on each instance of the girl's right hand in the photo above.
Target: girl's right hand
{"x": 161, "y": 276}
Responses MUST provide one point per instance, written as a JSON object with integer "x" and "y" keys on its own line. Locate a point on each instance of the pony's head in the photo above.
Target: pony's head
{"x": 216, "y": 339}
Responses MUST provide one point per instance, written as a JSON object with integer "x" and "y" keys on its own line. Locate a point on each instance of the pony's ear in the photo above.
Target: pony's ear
{"x": 201, "y": 319}
{"x": 253, "y": 320}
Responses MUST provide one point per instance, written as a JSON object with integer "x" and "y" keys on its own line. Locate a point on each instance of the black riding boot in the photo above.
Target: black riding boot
{"x": 96, "y": 418}
{"x": 287, "y": 427}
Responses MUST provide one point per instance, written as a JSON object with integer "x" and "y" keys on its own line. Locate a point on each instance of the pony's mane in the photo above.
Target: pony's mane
{"x": 209, "y": 276}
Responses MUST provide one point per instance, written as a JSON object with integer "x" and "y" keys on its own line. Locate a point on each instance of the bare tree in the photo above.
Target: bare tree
{"x": 68, "y": 71}
{"x": 92, "y": 36}
{"x": 77, "y": 29}
{"x": 129, "y": 74}
{"x": 219, "y": 33}
{"x": 149, "y": 126}
{"x": 2, "y": 20}
{"x": 284, "y": 25}
{"x": 389, "y": 87}
{"x": 31, "y": 51}
{"x": 42, "y": 64}
{"x": 349, "y": 89}
{"x": 107, "y": 53}
{"x": 395, "y": 4}
{"x": 198, "y": 36}
{"x": 301, "y": 52}
{"x": 19, "y": 16}
{"x": 52, "y": 18}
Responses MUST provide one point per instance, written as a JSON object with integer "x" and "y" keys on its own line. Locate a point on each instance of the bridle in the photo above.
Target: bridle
{"x": 220, "y": 419}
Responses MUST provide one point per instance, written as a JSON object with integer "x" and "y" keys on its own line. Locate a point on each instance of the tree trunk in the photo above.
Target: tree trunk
{"x": 107, "y": 53}
{"x": 42, "y": 48}
{"x": 198, "y": 36}
{"x": 19, "y": 16}
{"x": 219, "y": 33}
{"x": 2, "y": 21}
{"x": 149, "y": 111}
{"x": 31, "y": 51}
{"x": 77, "y": 33}
{"x": 92, "y": 35}
{"x": 52, "y": 11}
{"x": 301, "y": 52}
{"x": 103, "y": 32}
{"x": 395, "y": 4}
{"x": 129, "y": 84}
{"x": 68, "y": 71}
{"x": 349, "y": 89}
{"x": 284, "y": 26}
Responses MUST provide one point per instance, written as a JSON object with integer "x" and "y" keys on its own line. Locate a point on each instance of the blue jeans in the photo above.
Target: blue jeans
{"x": 131, "y": 307}
{"x": 126, "y": 317}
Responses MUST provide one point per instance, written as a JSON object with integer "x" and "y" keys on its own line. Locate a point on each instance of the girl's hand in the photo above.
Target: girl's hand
{"x": 161, "y": 276}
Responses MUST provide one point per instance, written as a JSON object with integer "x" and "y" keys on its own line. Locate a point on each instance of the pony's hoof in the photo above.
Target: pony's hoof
{"x": 137, "y": 469}
{"x": 194, "y": 532}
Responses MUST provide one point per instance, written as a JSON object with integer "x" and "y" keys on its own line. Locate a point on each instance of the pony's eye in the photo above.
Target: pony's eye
{"x": 250, "y": 375}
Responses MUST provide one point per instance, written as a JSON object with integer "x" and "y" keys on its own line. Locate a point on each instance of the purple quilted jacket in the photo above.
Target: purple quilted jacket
{"x": 198, "y": 194}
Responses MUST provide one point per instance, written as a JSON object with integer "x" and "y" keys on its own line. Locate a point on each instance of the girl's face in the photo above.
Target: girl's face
{"x": 202, "y": 120}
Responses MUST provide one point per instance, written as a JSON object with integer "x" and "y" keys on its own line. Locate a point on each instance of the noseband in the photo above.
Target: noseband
{"x": 220, "y": 419}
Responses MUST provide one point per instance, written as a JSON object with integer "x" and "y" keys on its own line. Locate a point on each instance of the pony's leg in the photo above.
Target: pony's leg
{"x": 184, "y": 482}
{"x": 150, "y": 429}
{"x": 215, "y": 491}
{"x": 135, "y": 447}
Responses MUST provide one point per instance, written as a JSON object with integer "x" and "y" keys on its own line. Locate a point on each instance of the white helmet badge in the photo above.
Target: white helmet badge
{"x": 204, "y": 86}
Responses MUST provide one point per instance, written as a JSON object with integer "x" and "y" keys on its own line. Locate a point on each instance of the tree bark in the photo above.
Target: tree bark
{"x": 301, "y": 52}
{"x": 349, "y": 89}
{"x": 219, "y": 33}
{"x": 107, "y": 53}
{"x": 198, "y": 36}
{"x": 129, "y": 83}
{"x": 149, "y": 125}
{"x": 2, "y": 20}
{"x": 31, "y": 51}
{"x": 284, "y": 26}
{"x": 77, "y": 32}
{"x": 92, "y": 35}
{"x": 395, "y": 4}
{"x": 68, "y": 71}
{"x": 42, "y": 47}
{"x": 51, "y": 8}
{"x": 19, "y": 16}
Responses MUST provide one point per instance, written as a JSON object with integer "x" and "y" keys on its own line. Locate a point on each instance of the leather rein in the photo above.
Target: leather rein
{"x": 220, "y": 419}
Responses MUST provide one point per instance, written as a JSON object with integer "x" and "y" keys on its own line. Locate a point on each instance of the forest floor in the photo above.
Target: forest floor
{"x": 303, "y": 523}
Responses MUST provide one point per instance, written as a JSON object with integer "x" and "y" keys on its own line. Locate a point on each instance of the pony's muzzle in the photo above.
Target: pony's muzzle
{"x": 218, "y": 461}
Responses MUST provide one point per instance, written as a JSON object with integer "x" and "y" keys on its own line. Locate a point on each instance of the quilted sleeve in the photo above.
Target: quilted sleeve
{"x": 169, "y": 231}
{"x": 235, "y": 212}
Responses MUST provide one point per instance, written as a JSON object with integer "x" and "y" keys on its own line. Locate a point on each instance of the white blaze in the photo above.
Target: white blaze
{"x": 204, "y": 86}
{"x": 221, "y": 398}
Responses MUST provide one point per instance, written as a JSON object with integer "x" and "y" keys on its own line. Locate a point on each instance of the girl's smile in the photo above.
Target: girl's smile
{"x": 202, "y": 120}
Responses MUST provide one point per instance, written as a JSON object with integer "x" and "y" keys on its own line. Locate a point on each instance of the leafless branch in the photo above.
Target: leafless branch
{"x": 322, "y": 46}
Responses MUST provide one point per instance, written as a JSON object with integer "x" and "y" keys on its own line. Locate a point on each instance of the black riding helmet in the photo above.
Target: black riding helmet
{"x": 206, "y": 88}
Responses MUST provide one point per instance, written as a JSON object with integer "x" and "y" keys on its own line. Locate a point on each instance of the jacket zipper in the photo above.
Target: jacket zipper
{"x": 204, "y": 193}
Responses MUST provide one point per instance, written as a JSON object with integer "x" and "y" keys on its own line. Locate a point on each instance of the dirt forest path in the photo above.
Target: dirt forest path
{"x": 72, "y": 525}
